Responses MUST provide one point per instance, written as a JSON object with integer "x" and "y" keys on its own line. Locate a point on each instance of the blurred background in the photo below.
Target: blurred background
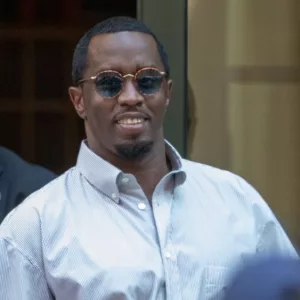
{"x": 236, "y": 70}
{"x": 244, "y": 77}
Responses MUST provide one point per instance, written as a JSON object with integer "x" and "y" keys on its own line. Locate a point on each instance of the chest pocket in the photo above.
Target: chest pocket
{"x": 215, "y": 282}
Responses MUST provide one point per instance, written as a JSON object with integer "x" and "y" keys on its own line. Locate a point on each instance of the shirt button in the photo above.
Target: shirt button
{"x": 168, "y": 255}
{"x": 114, "y": 196}
{"x": 142, "y": 206}
{"x": 125, "y": 180}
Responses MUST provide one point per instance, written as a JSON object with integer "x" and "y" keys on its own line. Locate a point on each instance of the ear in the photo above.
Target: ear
{"x": 169, "y": 93}
{"x": 76, "y": 98}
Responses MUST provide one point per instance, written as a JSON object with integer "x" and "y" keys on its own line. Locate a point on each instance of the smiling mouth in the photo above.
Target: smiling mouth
{"x": 132, "y": 126}
{"x": 131, "y": 121}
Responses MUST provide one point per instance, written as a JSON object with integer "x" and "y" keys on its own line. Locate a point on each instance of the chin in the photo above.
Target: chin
{"x": 134, "y": 139}
{"x": 134, "y": 149}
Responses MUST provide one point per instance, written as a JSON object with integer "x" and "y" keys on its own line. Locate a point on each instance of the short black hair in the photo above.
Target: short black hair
{"x": 111, "y": 25}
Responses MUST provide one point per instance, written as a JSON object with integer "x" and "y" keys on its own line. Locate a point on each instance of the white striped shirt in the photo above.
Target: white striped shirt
{"x": 91, "y": 234}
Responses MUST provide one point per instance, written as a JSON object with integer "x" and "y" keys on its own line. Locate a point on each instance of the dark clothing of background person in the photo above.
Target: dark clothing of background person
{"x": 267, "y": 278}
{"x": 18, "y": 179}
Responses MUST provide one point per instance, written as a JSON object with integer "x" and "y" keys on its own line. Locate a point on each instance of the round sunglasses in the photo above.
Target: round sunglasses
{"x": 110, "y": 83}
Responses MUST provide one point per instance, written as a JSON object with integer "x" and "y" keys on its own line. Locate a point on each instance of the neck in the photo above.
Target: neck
{"x": 157, "y": 155}
{"x": 148, "y": 171}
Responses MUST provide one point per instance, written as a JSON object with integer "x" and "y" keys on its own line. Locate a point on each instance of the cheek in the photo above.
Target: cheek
{"x": 98, "y": 105}
{"x": 99, "y": 113}
{"x": 160, "y": 104}
{"x": 158, "y": 109}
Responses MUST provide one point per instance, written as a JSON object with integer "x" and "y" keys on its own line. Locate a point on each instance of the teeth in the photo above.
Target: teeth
{"x": 131, "y": 121}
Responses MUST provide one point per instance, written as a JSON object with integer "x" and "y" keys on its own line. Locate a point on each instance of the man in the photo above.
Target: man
{"x": 18, "y": 179}
{"x": 132, "y": 219}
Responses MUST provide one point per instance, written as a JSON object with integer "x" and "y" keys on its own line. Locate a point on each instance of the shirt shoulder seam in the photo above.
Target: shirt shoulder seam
{"x": 26, "y": 256}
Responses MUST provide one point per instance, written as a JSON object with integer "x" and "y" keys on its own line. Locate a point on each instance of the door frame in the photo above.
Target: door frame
{"x": 168, "y": 20}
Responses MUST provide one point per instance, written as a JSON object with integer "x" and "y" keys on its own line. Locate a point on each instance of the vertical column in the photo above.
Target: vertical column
{"x": 263, "y": 101}
{"x": 208, "y": 136}
{"x": 28, "y": 102}
{"x": 167, "y": 19}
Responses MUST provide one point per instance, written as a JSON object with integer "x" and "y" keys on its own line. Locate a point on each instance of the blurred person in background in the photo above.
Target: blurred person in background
{"x": 268, "y": 278}
{"x": 18, "y": 179}
{"x": 132, "y": 219}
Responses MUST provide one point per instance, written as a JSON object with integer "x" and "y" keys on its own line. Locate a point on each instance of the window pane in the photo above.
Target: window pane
{"x": 49, "y": 72}
{"x": 49, "y": 146}
{"x": 10, "y": 131}
{"x": 11, "y": 70}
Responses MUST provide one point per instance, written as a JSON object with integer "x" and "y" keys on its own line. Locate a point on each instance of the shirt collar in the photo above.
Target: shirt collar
{"x": 89, "y": 164}
{"x": 176, "y": 163}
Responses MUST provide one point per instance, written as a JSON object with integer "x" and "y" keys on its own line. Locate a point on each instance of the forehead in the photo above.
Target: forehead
{"x": 123, "y": 51}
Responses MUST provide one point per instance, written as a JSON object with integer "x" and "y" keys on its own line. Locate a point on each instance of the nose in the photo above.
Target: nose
{"x": 130, "y": 95}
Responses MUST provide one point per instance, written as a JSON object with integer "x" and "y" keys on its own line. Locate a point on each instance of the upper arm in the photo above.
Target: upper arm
{"x": 22, "y": 274}
{"x": 20, "y": 277}
{"x": 271, "y": 237}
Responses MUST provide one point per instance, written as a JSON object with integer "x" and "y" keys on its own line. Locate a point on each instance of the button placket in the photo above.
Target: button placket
{"x": 142, "y": 206}
{"x": 115, "y": 197}
{"x": 168, "y": 254}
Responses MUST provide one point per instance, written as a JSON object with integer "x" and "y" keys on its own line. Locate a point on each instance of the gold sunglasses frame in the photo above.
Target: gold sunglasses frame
{"x": 133, "y": 76}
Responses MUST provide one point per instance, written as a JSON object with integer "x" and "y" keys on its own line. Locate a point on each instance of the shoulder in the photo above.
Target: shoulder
{"x": 230, "y": 188}
{"x": 212, "y": 176}
{"x": 49, "y": 194}
{"x": 23, "y": 225}
{"x": 21, "y": 230}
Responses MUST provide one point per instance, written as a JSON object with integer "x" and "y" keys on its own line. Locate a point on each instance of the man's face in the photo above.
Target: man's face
{"x": 130, "y": 120}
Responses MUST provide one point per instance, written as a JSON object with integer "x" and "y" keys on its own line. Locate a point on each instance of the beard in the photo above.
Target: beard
{"x": 134, "y": 151}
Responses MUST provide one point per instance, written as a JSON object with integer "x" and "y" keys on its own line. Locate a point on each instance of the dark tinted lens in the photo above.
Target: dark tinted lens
{"x": 108, "y": 84}
{"x": 149, "y": 81}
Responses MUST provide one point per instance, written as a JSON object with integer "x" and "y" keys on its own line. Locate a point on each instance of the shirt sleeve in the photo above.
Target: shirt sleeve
{"x": 271, "y": 237}
{"x": 20, "y": 278}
